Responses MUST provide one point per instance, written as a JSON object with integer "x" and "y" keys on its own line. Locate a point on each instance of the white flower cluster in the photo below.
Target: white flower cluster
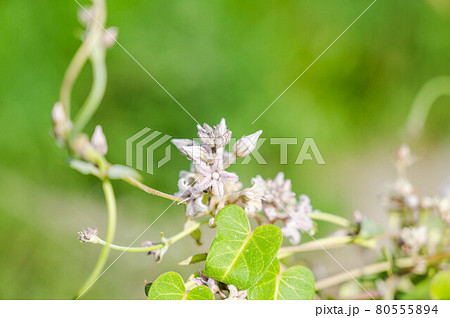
{"x": 208, "y": 187}
{"x": 209, "y": 158}
{"x": 439, "y": 205}
{"x": 413, "y": 239}
{"x": 278, "y": 202}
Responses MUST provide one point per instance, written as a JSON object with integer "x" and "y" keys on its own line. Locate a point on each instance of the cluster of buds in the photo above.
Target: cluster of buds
{"x": 277, "y": 201}
{"x": 401, "y": 194}
{"x": 90, "y": 149}
{"x": 213, "y": 285}
{"x": 88, "y": 236}
{"x": 87, "y": 17}
{"x": 439, "y": 205}
{"x": 208, "y": 180}
{"x": 412, "y": 239}
{"x": 61, "y": 123}
{"x": 208, "y": 187}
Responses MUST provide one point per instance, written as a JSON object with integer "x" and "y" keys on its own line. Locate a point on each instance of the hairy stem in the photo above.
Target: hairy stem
{"x": 112, "y": 220}
{"x": 82, "y": 54}
{"x": 406, "y": 262}
{"x": 319, "y": 244}
{"x": 195, "y": 226}
{"x": 149, "y": 190}
{"x": 331, "y": 218}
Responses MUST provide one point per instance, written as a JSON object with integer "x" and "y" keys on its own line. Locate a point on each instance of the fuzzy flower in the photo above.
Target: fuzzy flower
{"x": 404, "y": 159}
{"x": 214, "y": 177}
{"x": 61, "y": 123}
{"x": 244, "y": 146}
{"x": 277, "y": 195}
{"x": 439, "y": 205}
{"x": 236, "y": 294}
{"x": 98, "y": 140}
{"x": 217, "y": 137}
{"x": 402, "y": 194}
{"x": 189, "y": 194}
{"x": 208, "y": 174}
{"x": 298, "y": 221}
{"x": 413, "y": 238}
{"x": 208, "y": 282}
{"x": 88, "y": 236}
{"x": 252, "y": 199}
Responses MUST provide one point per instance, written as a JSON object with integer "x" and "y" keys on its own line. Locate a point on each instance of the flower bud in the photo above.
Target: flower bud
{"x": 180, "y": 143}
{"x": 196, "y": 153}
{"x": 82, "y": 146}
{"x": 61, "y": 124}
{"x": 88, "y": 236}
{"x": 244, "y": 146}
{"x": 109, "y": 38}
{"x": 98, "y": 140}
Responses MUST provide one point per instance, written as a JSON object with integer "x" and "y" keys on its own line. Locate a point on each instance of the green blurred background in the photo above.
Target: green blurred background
{"x": 219, "y": 59}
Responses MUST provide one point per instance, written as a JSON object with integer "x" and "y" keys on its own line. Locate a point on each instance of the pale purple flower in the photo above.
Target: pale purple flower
{"x": 236, "y": 294}
{"x": 244, "y": 146}
{"x": 214, "y": 177}
{"x": 98, "y": 140}
{"x": 216, "y": 137}
{"x": 277, "y": 195}
{"x": 298, "y": 220}
{"x": 90, "y": 235}
{"x": 413, "y": 238}
{"x": 189, "y": 194}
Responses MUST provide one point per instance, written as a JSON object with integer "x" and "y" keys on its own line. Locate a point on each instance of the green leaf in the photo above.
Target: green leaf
{"x": 197, "y": 258}
{"x": 238, "y": 256}
{"x": 200, "y": 293}
{"x": 170, "y": 286}
{"x": 440, "y": 286}
{"x": 295, "y": 283}
{"x": 266, "y": 287}
{"x": 147, "y": 288}
{"x": 84, "y": 167}
{"x": 122, "y": 172}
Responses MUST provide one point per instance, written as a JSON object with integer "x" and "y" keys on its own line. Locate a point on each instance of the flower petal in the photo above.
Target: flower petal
{"x": 226, "y": 176}
{"x": 217, "y": 188}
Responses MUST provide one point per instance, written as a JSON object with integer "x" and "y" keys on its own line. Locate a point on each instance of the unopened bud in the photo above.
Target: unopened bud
{"x": 85, "y": 15}
{"x": 81, "y": 145}
{"x": 110, "y": 37}
{"x": 244, "y": 146}
{"x": 61, "y": 124}
{"x": 196, "y": 153}
{"x": 88, "y": 236}
{"x": 98, "y": 140}
{"x": 181, "y": 143}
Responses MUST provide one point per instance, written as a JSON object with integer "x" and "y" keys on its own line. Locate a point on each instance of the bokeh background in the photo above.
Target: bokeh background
{"x": 219, "y": 59}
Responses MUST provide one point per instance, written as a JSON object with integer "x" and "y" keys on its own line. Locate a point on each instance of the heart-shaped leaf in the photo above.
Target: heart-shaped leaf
{"x": 237, "y": 255}
{"x": 170, "y": 286}
{"x": 440, "y": 286}
{"x": 295, "y": 283}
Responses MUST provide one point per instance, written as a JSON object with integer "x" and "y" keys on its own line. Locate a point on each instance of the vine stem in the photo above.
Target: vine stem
{"x": 423, "y": 102}
{"x": 319, "y": 244}
{"x": 406, "y": 262}
{"x": 149, "y": 190}
{"x": 331, "y": 218}
{"x": 112, "y": 221}
{"x": 99, "y": 79}
{"x": 82, "y": 55}
{"x": 169, "y": 241}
